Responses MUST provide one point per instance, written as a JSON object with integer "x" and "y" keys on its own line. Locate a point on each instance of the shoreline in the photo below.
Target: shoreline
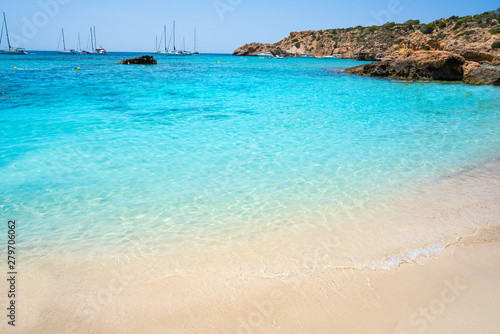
{"x": 416, "y": 222}
{"x": 435, "y": 296}
{"x": 298, "y": 284}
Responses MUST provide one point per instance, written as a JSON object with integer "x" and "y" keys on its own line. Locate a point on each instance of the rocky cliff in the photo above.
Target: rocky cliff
{"x": 475, "y": 38}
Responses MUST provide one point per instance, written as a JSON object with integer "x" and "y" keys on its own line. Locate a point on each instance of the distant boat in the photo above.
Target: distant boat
{"x": 158, "y": 46}
{"x": 100, "y": 51}
{"x": 10, "y": 50}
{"x": 175, "y": 52}
{"x": 70, "y": 52}
{"x": 307, "y": 55}
{"x": 79, "y": 50}
{"x": 186, "y": 53}
{"x": 93, "y": 44}
{"x": 265, "y": 54}
{"x": 334, "y": 56}
{"x": 195, "y": 48}
{"x": 269, "y": 55}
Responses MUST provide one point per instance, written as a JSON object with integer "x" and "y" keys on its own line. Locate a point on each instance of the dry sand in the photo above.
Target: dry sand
{"x": 457, "y": 292}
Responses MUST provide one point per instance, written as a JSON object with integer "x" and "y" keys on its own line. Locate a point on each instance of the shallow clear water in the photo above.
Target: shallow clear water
{"x": 192, "y": 151}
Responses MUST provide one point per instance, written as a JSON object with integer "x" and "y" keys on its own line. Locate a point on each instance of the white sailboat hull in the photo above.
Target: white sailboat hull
{"x": 13, "y": 52}
{"x": 172, "y": 54}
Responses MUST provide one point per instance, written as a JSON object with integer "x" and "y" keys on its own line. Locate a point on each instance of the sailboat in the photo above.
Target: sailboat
{"x": 157, "y": 47}
{"x": 70, "y": 52}
{"x": 80, "y": 51}
{"x": 93, "y": 44}
{"x": 195, "y": 46}
{"x": 184, "y": 52}
{"x": 10, "y": 50}
{"x": 164, "y": 36}
{"x": 174, "y": 52}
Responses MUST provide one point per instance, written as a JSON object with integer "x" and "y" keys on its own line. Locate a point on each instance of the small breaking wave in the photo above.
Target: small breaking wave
{"x": 412, "y": 256}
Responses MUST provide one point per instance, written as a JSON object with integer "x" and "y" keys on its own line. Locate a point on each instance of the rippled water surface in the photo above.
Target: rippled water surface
{"x": 192, "y": 151}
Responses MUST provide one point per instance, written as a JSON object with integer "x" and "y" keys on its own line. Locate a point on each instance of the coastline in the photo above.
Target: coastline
{"x": 300, "y": 283}
{"x": 390, "y": 40}
{"x": 456, "y": 292}
{"x": 244, "y": 193}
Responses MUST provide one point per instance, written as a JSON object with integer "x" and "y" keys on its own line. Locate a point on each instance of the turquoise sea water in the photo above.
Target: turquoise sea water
{"x": 196, "y": 151}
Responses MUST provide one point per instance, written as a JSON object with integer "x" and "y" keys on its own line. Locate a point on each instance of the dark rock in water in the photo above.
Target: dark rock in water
{"x": 142, "y": 60}
{"x": 437, "y": 65}
{"x": 483, "y": 76}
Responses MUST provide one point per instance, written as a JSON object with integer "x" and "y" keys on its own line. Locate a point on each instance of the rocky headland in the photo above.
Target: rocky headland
{"x": 475, "y": 38}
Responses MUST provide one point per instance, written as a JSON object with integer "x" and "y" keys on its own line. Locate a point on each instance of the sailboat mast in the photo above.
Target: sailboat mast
{"x": 165, "y": 36}
{"x": 1, "y": 34}
{"x": 91, "y": 39}
{"x": 174, "y": 35}
{"x": 183, "y": 43}
{"x": 79, "y": 45}
{"x": 6, "y": 30}
{"x": 64, "y": 43}
{"x": 194, "y": 39}
{"x": 95, "y": 39}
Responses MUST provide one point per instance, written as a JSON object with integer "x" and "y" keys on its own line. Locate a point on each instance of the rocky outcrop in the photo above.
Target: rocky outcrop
{"x": 253, "y": 49}
{"x": 469, "y": 66}
{"x": 483, "y": 76}
{"x": 472, "y": 37}
{"x": 479, "y": 56}
{"x": 142, "y": 60}
{"x": 434, "y": 65}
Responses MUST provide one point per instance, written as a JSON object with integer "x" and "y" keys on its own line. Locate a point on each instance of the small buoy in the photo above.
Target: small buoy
{"x": 218, "y": 61}
{"x": 78, "y": 69}
{"x": 15, "y": 68}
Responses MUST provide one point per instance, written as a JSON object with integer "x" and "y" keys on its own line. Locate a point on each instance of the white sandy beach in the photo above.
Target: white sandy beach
{"x": 435, "y": 269}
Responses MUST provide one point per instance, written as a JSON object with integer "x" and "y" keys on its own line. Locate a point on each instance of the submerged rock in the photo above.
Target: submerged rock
{"x": 436, "y": 65}
{"x": 142, "y": 60}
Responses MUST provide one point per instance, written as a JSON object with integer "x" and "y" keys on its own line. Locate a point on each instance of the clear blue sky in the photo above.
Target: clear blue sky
{"x": 222, "y": 25}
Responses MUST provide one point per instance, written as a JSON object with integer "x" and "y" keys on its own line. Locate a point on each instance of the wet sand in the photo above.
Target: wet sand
{"x": 457, "y": 292}
{"x": 433, "y": 268}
